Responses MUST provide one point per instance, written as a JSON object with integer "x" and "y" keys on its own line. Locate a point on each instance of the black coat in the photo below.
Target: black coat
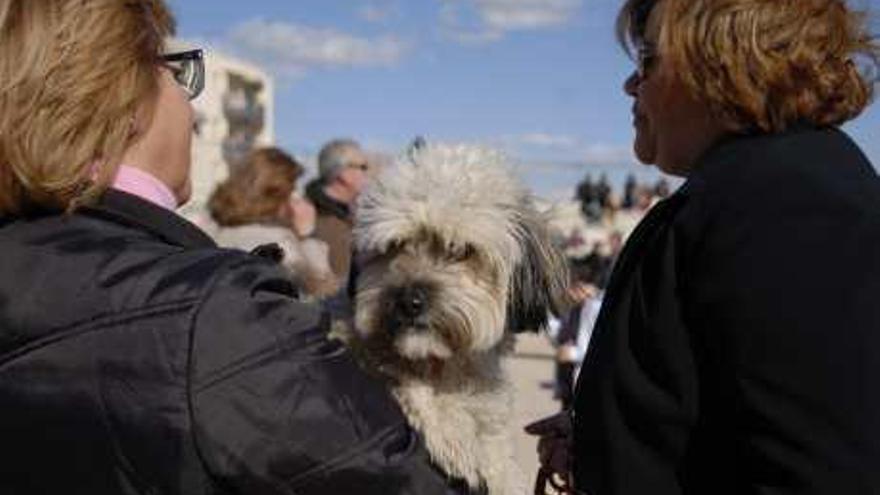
{"x": 738, "y": 348}
{"x": 138, "y": 358}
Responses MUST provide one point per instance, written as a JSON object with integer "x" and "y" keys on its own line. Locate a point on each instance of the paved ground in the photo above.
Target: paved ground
{"x": 532, "y": 365}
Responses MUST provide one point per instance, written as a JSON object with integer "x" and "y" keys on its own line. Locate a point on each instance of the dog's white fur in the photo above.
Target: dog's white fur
{"x": 453, "y": 223}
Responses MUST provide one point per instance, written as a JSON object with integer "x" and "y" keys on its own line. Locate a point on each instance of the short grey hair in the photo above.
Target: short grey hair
{"x": 331, "y": 159}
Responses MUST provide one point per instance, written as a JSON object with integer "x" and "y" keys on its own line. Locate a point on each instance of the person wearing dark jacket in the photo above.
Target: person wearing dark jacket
{"x": 343, "y": 173}
{"x": 731, "y": 356}
{"x": 136, "y": 357}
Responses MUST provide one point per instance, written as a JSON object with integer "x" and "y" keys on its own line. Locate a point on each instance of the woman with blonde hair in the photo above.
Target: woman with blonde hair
{"x": 135, "y": 356}
{"x": 738, "y": 347}
{"x": 256, "y": 206}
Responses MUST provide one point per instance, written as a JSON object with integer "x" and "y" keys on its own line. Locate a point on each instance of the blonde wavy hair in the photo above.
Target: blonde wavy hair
{"x": 74, "y": 74}
{"x": 764, "y": 65}
{"x": 254, "y": 192}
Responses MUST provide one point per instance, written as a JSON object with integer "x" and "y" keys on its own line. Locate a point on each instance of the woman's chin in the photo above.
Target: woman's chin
{"x": 183, "y": 193}
{"x": 643, "y": 153}
{"x": 671, "y": 168}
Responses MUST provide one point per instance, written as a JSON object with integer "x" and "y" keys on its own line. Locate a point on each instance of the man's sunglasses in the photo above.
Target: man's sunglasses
{"x": 188, "y": 69}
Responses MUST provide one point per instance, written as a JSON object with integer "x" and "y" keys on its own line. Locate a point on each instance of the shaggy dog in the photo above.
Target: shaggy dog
{"x": 453, "y": 261}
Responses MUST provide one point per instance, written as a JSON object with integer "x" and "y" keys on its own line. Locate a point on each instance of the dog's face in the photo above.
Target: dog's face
{"x": 448, "y": 272}
{"x": 425, "y": 297}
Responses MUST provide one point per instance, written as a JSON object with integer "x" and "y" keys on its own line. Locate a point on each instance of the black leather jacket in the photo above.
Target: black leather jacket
{"x": 138, "y": 358}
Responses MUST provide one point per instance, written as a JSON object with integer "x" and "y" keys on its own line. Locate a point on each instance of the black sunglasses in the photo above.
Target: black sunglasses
{"x": 645, "y": 59}
{"x": 188, "y": 69}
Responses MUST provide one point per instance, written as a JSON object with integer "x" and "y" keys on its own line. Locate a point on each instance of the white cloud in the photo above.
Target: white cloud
{"x": 548, "y": 140}
{"x": 538, "y": 143}
{"x": 603, "y": 154}
{"x": 293, "y": 49}
{"x": 559, "y": 151}
{"x": 507, "y": 15}
{"x": 497, "y": 17}
{"x": 376, "y": 13}
{"x": 452, "y": 23}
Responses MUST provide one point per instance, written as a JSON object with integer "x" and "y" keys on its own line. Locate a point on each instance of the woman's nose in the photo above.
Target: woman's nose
{"x": 631, "y": 85}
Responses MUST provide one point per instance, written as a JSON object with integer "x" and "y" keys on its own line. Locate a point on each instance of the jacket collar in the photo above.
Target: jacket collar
{"x": 325, "y": 204}
{"x": 127, "y": 209}
{"x": 723, "y": 160}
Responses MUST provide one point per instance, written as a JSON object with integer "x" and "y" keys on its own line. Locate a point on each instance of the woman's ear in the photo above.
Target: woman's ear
{"x": 138, "y": 122}
{"x": 133, "y": 129}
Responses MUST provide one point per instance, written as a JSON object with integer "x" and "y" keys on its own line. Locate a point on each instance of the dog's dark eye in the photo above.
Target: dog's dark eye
{"x": 395, "y": 247}
{"x": 465, "y": 253}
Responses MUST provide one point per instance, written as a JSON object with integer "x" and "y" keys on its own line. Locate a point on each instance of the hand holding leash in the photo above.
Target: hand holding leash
{"x": 554, "y": 454}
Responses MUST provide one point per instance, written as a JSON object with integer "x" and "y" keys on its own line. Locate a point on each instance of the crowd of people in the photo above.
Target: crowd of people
{"x": 609, "y": 218}
{"x": 137, "y": 356}
{"x": 259, "y": 208}
{"x": 600, "y": 203}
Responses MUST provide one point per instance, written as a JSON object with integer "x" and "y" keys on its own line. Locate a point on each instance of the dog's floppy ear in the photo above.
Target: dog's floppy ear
{"x": 539, "y": 281}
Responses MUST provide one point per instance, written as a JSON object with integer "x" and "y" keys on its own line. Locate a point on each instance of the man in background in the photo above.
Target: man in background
{"x": 342, "y": 174}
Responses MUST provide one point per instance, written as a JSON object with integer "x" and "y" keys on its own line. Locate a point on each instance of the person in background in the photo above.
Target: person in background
{"x": 136, "y": 357}
{"x": 571, "y": 339}
{"x": 256, "y": 206}
{"x": 343, "y": 173}
{"x": 585, "y": 193}
{"x": 603, "y": 192}
{"x": 629, "y": 192}
{"x": 727, "y": 359}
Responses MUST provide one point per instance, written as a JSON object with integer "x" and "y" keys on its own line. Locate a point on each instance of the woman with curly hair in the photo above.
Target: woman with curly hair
{"x": 738, "y": 348}
{"x": 255, "y": 207}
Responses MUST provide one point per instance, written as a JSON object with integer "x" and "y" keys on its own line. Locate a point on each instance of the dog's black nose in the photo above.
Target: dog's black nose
{"x": 412, "y": 301}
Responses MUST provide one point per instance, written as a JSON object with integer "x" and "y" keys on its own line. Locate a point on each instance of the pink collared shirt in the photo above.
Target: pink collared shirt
{"x": 145, "y": 186}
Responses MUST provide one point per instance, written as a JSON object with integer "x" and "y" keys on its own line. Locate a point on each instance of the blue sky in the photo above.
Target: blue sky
{"x": 539, "y": 78}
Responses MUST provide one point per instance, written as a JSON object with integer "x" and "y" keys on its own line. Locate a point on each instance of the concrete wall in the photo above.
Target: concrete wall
{"x": 235, "y": 113}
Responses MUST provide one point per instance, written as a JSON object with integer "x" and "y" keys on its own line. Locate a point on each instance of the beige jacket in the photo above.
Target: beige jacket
{"x": 307, "y": 259}
{"x": 337, "y": 234}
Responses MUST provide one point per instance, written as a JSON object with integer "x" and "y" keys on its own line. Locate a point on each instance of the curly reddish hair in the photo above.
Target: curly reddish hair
{"x": 764, "y": 65}
{"x": 254, "y": 192}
